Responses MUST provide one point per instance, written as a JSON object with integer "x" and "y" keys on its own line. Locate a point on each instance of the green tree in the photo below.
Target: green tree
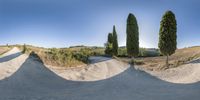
{"x": 24, "y": 48}
{"x": 132, "y": 40}
{"x": 108, "y": 50}
{"x": 115, "y": 42}
{"x": 167, "y": 35}
{"x": 110, "y": 38}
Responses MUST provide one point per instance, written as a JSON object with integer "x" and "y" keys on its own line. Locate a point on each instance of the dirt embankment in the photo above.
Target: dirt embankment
{"x": 100, "y": 68}
{"x": 32, "y": 80}
{"x": 4, "y": 50}
{"x": 187, "y": 73}
{"x": 10, "y": 62}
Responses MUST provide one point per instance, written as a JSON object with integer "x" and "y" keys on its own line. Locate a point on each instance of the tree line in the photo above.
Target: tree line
{"x": 167, "y": 37}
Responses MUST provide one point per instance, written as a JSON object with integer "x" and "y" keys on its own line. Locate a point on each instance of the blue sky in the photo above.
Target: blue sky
{"x": 63, "y": 23}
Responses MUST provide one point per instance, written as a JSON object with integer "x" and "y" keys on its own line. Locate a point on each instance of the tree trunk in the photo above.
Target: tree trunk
{"x": 167, "y": 61}
{"x": 132, "y": 60}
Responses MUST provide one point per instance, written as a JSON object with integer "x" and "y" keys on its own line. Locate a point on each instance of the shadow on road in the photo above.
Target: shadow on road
{"x": 98, "y": 59}
{"x": 10, "y": 57}
{"x": 35, "y": 81}
{"x": 194, "y": 61}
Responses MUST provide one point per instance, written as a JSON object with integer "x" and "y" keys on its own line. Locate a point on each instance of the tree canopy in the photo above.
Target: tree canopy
{"x": 132, "y": 40}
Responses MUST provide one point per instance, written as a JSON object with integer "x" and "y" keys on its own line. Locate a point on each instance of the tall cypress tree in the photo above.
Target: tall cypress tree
{"x": 167, "y": 35}
{"x": 24, "y": 48}
{"x": 132, "y": 40}
{"x": 109, "y": 47}
{"x": 110, "y": 38}
{"x": 115, "y": 42}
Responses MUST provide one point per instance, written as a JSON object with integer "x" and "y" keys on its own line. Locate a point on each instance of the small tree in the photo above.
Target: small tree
{"x": 24, "y": 48}
{"x": 132, "y": 40}
{"x": 108, "y": 45}
{"x": 115, "y": 42}
{"x": 167, "y": 35}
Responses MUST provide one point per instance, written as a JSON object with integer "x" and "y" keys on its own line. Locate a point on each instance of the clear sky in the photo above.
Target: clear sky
{"x": 63, "y": 23}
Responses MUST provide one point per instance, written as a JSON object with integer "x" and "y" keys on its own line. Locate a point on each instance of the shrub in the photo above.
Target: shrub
{"x": 137, "y": 62}
{"x": 122, "y": 52}
{"x": 109, "y": 48}
{"x": 142, "y": 52}
{"x": 67, "y": 57}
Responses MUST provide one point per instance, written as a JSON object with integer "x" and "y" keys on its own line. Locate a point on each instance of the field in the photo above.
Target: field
{"x": 180, "y": 57}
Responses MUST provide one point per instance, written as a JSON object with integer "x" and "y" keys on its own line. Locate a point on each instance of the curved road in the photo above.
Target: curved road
{"x": 33, "y": 81}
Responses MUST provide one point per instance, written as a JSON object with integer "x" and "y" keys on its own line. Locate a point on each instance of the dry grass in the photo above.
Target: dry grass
{"x": 59, "y": 60}
{"x": 4, "y": 49}
{"x": 180, "y": 57}
{"x": 63, "y": 57}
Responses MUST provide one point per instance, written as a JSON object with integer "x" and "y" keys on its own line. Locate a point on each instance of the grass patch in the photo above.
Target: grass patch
{"x": 138, "y": 62}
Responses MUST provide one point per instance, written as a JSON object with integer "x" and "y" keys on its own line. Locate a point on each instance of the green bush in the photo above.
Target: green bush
{"x": 65, "y": 56}
{"x": 122, "y": 52}
{"x": 109, "y": 49}
{"x": 82, "y": 55}
{"x": 137, "y": 62}
{"x": 142, "y": 52}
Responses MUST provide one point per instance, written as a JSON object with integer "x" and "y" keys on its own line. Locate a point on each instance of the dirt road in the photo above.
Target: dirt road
{"x": 33, "y": 81}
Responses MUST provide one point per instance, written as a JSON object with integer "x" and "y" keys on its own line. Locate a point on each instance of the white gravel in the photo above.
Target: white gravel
{"x": 101, "y": 68}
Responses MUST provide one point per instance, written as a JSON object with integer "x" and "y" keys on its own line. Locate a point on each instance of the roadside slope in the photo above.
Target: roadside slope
{"x": 34, "y": 81}
{"x": 99, "y": 69}
{"x": 187, "y": 73}
{"x": 10, "y": 62}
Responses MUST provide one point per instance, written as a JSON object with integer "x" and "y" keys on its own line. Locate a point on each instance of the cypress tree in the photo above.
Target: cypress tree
{"x": 110, "y": 38}
{"x": 132, "y": 40}
{"x": 167, "y": 35}
{"x": 115, "y": 42}
{"x": 24, "y": 48}
{"x": 108, "y": 50}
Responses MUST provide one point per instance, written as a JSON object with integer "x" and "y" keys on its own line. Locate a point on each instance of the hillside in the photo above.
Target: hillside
{"x": 180, "y": 57}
